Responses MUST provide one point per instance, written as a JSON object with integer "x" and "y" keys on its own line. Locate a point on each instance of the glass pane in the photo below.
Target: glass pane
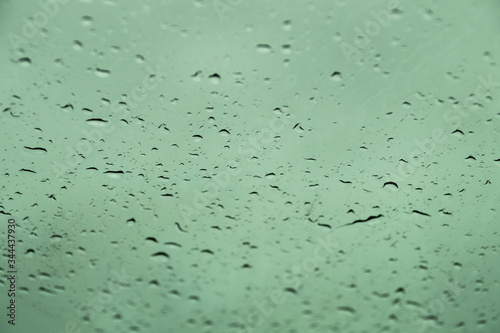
{"x": 249, "y": 166}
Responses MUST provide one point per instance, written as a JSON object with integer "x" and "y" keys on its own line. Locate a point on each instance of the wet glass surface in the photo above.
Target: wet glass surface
{"x": 250, "y": 166}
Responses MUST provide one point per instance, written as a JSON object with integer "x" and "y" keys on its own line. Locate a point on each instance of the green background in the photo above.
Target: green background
{"x": 251, "y": 166}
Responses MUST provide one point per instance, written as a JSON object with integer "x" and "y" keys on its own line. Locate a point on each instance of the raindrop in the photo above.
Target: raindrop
{"x": 214, "y": 78}
{"x": 139, "y": 58}
{"x": 336, "y": 76}
{"x": 286, "y": 49}
{"x": 87, "y": 20}
{"x": 102, "y": 72}
{"x": 196, "y": 76}
{"x": 263, "y": 48}
{"x": 97, "y": 122}
{"x": 77, "y": 45}
{"x": 24, "y": 61}
{"x": 287, "y": 25}
{"x": 114, "y": 174}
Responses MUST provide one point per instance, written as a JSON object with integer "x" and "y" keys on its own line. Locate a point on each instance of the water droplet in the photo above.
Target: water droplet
{"x": 97, "y": 122}
{"x": 114, "y": 174}
{"x": 196, "y": 76}
{"x": 24, "y": 61}
{"x": 214, "y": 78}
{"x": 139, "y": 58}
{"x": 77, "y": 45}
{"x": 336, "y": 76}
{"x": 87, "y": 20}
{"x": 102, "y": 72}
{"x": 224, "y": 132}
{"x": 263, "y": 48}
{"x": 287, "y": 25}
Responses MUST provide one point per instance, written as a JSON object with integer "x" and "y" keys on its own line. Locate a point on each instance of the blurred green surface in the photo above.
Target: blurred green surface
{"x": 251, "y": 166}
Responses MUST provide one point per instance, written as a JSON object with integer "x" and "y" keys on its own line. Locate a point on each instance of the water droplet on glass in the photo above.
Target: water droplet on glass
{"x": 214, "y": 78}
{"x": 263, "y": 48}
{"x": 287, "y": 25}
{"x": 102, "y": 72}
{"x": 77, "y": 45}
{"x": 87, "y": 20}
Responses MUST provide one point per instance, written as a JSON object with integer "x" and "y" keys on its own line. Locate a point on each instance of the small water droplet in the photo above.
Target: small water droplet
{"x": 24, "y": 61}
{"x": 336, "y": 76}
{"x": 139, "y": 58}
{"x": 196, "y": 76}
{"x": 77, "y": 45}
{"x": 214, "y": 78}
{"x": 102, "y": 72}
{"x": 286, "y": 49}
{"x": 87, "y": 20}
{"x": 287, "y": 25}
{"x": 263, "y": 48}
